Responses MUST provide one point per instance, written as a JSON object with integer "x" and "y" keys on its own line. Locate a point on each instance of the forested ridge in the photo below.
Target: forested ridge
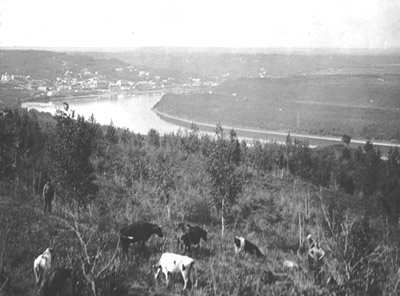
{"x": 274, "y": 195}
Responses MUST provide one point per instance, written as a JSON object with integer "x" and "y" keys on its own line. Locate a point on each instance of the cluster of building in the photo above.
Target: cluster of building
{"x": 87, "y": 82}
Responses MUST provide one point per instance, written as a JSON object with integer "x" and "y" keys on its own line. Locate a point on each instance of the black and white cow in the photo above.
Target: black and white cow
{"x": 189, "y": 235}
{"x": 138, "y": 232}
{"x": 171, "y": 263}
{"x": 242, "y": 244}
{"x": 315, "y": 258}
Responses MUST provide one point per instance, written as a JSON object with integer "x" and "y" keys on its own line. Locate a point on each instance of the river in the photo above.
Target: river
{"x": 135, "y": 111}
{"x": 126, "y": 111}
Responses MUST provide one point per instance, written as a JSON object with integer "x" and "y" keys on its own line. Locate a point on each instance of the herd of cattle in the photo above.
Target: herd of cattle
{"x": 52, "y": 282}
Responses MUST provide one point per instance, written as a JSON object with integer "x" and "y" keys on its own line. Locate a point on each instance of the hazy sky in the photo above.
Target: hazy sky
{"x": 219, "y": 23}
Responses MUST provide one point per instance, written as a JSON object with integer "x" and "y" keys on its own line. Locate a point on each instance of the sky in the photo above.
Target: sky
{"x": 365, "y": 24}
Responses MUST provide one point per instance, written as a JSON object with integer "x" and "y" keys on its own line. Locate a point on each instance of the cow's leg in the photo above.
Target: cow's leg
{"x": 185, "y": 277}
{"x": 157, "y": 273}
{"x": 123, "y": 248}
{"x": 166, "y": 276}
{"x": 194, "y": 271}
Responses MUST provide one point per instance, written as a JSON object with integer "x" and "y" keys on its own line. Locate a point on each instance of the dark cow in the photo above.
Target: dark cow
{"x": 57, "y": 281}
{"x": 190, "y": 235}
{"x": 242, "y": 244}
{"x": 137, "y": 232}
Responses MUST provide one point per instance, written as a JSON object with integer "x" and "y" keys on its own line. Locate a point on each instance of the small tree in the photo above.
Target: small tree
{"x": 153, "y": 138}
{"x": 111, "y": 133}
{"x": 346, "y": 139}
{"x": 389, "y": 187}
{"x": 222, "y": 167}
{"x": 73, "y": 145}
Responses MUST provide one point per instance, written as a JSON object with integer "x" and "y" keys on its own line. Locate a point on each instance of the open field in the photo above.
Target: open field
{"x": 363, "y": 106}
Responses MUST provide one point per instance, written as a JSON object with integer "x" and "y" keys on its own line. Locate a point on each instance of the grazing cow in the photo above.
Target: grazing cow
{"x": 42, "y": 265}
{"x": 57, "y": 281}
{"x": 190, "y": 235}
{"x": 171, "y": 263}
{"x": 48, "y": 195}
{"x": 138, "y": 232}
{"x": 242, "y": 244}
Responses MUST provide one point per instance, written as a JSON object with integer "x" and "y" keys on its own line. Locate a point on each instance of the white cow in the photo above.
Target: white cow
{"x": 42, "y": 265}
{"x": 170, "y": 263}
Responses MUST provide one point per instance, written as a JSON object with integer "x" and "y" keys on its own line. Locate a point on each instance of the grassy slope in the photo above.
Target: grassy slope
{"x": 361, "y": 106}
{"x": 267, "y": 213}
{"x": 49, "y": 65}
{"x": 219, "y": 271}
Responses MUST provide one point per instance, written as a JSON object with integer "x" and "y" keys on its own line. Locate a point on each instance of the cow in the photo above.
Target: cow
{"x": 42, "y": 265}
{"x": 242, "y": 244}
{"x": 315, "y": 257}
{"x": 57, "y": 281}
{"x": 171, "y": 263}
{"x": 190, "y": 235}
{"x": 48, "y": 195}
{"x": 138, "y": 232}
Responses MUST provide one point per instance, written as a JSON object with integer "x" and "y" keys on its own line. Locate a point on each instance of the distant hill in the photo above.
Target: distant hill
{"x": 209, "y": 63}
{"x": 49, "y": 65}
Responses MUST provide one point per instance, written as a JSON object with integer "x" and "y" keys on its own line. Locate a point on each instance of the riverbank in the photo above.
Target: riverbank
{"x": 103, "y": 94}
{"x": 272, "y": 136}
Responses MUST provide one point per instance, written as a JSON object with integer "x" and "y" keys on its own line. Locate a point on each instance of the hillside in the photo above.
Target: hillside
{"x": 225, "y": 63}
{"x": 49, "y": 65}
{"x": 363, "y": 106}
{"x": 273, "y": 195}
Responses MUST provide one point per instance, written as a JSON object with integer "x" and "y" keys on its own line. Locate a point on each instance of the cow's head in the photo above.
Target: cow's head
{"x": 204, "y": 235}
{"x": 155, "y": 267}
{"x": 50, "y": 251}
{"x": 157, "y": 230}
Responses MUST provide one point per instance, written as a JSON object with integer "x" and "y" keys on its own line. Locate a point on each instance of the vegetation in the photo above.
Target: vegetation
{"x": 362, "y": 106}
{"x": 274, "y": 195}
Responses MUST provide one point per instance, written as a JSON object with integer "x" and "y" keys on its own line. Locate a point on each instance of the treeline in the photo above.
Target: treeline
{"x": 106, "y": 177}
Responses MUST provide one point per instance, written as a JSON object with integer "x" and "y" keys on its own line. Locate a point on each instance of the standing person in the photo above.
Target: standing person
{"x": 48, "y": 195}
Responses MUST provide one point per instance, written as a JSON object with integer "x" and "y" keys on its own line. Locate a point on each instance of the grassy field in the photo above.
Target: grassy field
{"x": 363, "y": 106}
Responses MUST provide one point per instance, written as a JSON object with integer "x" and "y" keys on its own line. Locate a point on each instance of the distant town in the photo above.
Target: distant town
{"x": 86, "y": 82}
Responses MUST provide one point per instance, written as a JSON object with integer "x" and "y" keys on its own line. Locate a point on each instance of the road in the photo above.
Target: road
{"x": 269, "y": 135}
